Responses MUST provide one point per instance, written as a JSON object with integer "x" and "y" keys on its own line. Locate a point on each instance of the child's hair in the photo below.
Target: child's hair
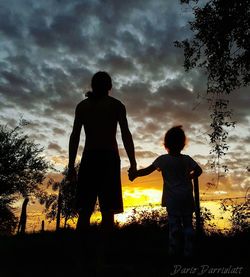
{"x": 175, "y": 139}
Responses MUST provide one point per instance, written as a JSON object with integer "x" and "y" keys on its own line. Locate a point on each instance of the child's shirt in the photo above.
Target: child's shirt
{"x": 177, "y": 193}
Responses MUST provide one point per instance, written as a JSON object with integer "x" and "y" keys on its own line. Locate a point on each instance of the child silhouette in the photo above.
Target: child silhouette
{"x": 177, "y": 170}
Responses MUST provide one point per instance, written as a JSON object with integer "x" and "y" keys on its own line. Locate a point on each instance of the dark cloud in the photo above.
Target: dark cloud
{"x": 116, "y": 63}
{"x": 146, "y": 155}
{"x": 140, "y": 154}
{"x": 58, "y": 131}
{"x": 56, "y": 147}
{"x": 10, "y": 122}
{"x": 50, "y": 50}
{"x": 10, "y": 24}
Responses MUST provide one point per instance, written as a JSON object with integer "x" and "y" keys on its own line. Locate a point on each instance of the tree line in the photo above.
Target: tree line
{"x": 23, "y": 172}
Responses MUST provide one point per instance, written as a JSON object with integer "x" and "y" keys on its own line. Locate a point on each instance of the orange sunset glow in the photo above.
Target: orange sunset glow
{"x": 124, "y": 138}
{"x": 145, "y": 193}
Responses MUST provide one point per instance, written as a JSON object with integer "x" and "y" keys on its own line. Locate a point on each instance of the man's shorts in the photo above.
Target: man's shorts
{"x": 99, "y": 177}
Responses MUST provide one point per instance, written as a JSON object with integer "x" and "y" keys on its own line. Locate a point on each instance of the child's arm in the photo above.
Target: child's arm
{"x": 141, "y": 172}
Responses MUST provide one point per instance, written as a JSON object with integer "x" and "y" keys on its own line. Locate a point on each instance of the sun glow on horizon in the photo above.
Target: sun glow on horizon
{"x": 143, "y": 194}
{"x": 137, "y": 196}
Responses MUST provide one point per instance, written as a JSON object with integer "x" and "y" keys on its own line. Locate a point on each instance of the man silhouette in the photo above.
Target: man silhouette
{"x": 99, "y": 173}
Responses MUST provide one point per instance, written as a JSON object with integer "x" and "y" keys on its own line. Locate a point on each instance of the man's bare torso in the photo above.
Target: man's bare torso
{"x": 99, "y": 117}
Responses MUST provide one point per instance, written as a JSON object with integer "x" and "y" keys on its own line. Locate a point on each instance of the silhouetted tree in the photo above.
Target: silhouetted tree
{"x": 8, "y": 220}
{"x": 61, "y": 205}
{"x": 221, "y": 46}
{"x": 22, "y": 171}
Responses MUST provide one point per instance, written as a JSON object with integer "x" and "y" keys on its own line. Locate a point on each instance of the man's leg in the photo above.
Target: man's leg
{"x": 85, "y": 251}
{"x": 108, "y": 221}
{"x": 83, "y": 222}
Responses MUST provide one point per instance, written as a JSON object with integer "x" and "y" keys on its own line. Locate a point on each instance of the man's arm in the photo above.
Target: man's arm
{"x": 74, "y": 139}
{"x": 127, "y": 138}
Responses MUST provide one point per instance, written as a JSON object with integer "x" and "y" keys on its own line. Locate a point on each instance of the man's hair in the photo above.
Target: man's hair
{"x": 101, "y": 83}
{"x": 175, "y": 139}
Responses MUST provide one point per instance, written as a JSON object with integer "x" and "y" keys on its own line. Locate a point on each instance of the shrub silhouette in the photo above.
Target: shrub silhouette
{"x": 22, "y": 171}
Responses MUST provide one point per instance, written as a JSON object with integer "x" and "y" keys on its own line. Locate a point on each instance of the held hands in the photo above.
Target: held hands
{"x": 132, "y": 174}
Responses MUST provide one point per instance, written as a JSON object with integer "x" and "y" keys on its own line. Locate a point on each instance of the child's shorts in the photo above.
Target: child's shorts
{"x": 99, "y": 177}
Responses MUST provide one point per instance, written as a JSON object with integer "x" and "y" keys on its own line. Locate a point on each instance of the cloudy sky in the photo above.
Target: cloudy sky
{"x": 49, "y": 51}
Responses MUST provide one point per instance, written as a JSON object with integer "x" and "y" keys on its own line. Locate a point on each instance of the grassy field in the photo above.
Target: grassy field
{"x": 130, "y": 251}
